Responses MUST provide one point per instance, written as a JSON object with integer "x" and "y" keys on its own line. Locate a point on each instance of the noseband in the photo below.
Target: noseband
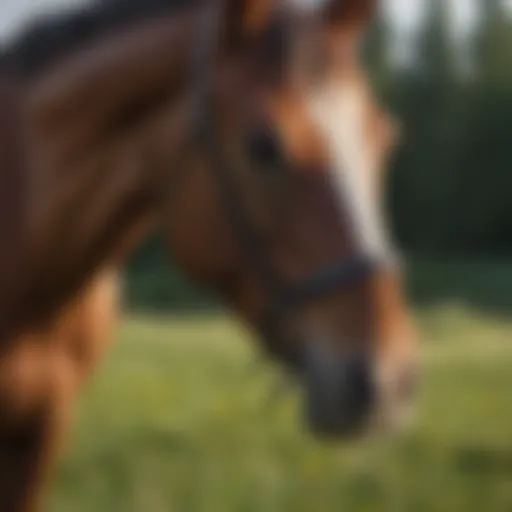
{"x": 284, "y": 298}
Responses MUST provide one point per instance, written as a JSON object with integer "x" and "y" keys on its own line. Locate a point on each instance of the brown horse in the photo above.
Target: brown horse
{"x": 244, "y": 130}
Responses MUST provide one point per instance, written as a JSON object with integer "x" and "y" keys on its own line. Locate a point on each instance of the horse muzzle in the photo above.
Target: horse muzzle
{"x": 339, "y": 393}
{"x": 345, "y": 398}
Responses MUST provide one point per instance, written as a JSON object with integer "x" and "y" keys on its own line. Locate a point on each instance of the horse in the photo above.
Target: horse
{"x": 247, "y": 133}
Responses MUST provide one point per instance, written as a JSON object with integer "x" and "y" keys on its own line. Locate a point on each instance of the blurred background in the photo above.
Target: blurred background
{"x": 184, "y": 416}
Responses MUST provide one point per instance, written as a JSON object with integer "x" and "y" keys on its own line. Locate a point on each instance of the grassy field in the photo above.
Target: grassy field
{"x": 182, "y": 416}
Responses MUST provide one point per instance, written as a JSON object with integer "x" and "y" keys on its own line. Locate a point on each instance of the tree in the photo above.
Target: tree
{"x": 428, "y": 98}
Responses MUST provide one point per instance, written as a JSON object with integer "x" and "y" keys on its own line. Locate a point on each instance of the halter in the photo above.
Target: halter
{"x": 283, "y": 297}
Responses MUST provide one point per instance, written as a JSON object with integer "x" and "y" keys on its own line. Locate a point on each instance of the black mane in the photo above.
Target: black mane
{"x": 51, "y": 37}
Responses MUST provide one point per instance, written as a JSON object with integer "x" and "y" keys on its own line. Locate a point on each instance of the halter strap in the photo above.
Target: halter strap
{"x": 284, "y": 298}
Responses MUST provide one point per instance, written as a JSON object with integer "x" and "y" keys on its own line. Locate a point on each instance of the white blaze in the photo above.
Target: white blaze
{"x": 339, "y": 112}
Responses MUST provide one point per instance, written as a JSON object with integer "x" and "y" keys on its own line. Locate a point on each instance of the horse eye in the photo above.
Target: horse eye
{"x": 265, "y": 150}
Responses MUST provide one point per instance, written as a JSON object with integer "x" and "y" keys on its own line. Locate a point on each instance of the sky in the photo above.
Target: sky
{"x": 405, "y": 13}
{"x": 14, "y": 12}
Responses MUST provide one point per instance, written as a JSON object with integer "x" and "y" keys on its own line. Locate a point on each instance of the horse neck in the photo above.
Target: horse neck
{"x": 99, "y": 131}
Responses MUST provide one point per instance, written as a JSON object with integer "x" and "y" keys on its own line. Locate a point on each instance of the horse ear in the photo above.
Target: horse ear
{"x": 245, "y": 18}
{"x": 350, "y": 13}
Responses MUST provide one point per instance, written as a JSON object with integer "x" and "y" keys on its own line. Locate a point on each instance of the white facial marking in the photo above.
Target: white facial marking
{"x": 340, "y": 114}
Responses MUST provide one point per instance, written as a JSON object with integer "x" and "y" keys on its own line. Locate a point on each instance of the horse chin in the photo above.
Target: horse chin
{"x": 381, "y": 425}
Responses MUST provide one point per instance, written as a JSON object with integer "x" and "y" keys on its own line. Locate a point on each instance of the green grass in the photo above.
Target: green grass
{"x": 182, "y": 416}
